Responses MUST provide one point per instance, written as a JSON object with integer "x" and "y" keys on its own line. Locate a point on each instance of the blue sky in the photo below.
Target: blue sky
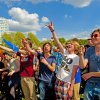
{"x": 71, "y": 18}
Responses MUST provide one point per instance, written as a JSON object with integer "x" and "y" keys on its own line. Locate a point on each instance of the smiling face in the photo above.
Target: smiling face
{"x": 72, "y": 47}
{"x": 95, "y": 36}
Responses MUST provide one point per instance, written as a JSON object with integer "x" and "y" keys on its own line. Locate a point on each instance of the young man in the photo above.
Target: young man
{"x": 26, "y": 70}
{"x": 46, "y": 72}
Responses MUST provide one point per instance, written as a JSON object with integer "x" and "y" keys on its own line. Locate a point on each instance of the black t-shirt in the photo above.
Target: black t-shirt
{"x": 1, "y": 65}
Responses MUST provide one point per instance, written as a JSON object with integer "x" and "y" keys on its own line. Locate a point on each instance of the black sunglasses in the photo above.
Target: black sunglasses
{"x": 95, "y": 35}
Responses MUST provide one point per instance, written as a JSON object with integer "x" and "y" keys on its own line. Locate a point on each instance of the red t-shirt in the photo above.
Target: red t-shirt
{"x": 26, "y": 65}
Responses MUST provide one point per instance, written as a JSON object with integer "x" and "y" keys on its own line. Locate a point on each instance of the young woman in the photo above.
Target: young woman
{"x": 92, "y": 59}
{"x": 66, "y": 73}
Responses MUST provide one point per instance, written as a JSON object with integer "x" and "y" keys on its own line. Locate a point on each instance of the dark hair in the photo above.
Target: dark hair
{"x": 29, "y": 42}
{"x": 48, "y": 44}
{"x": 86, "y": 46}
{"x": 5, "y": 53}
{"x": 97, "y": 30}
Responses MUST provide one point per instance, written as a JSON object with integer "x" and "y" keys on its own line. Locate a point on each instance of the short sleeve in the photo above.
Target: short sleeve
{"x": 88, "y": 52}
{"x": 53, "y": 59}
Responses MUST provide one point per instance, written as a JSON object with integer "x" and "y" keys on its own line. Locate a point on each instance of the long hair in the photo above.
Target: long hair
{"x": 49, "y": 45}
{"x": 76, "y": 45}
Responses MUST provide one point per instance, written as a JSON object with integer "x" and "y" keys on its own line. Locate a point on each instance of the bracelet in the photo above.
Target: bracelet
{"x": 52, "y": 30}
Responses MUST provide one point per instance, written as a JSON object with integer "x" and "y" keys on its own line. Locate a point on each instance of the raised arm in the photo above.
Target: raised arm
{"x": 51, "y": 28}
{"x": 27, "y": 47}
{"x": 6, "y": 49}
{"x": 82, "y": 61}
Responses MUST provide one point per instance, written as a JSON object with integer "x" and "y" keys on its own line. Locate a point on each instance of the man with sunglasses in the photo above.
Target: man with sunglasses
{"x": 92, "y": 58}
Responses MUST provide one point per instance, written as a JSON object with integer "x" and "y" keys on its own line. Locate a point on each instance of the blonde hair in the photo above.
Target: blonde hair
{"x": 76, "y": 45}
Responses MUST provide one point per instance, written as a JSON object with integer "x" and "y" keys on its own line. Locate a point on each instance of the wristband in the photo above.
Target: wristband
{"x": 52, "y": 30}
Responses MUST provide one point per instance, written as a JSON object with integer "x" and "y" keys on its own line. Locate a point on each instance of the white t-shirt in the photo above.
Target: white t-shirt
{"x": 65, "y": 70}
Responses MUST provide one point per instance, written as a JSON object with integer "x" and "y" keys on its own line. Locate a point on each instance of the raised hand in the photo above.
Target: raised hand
{"x": 81, "y": 50}
{"x": 51, "y": 27}
{"x": 24, "y": 40}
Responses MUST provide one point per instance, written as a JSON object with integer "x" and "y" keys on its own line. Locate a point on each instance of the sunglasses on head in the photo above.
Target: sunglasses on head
{"x": 95, "y": 35}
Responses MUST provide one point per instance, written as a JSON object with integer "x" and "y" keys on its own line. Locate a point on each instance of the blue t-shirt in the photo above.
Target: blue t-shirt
{"x": 94, "y": 62}
{"x": 45, "y": 74}
{"x": 78, "y": 76}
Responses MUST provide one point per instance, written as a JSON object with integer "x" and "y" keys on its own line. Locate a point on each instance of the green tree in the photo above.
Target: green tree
{"x": 83, "y": 41}
{"x": 62, "y": 40}
{"x": 7, "y": 37}
{"x": 34, "y": 40}
{"x": 17, "y": 38}
{"x": 14, "y": 38}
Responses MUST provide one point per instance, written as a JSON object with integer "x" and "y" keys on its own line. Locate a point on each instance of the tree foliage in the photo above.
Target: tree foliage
{"x": 83, "y": 41}
{"x": 34, "y": 40}
{"x": 15, "y": 38}
{"x": 7, "y": 37}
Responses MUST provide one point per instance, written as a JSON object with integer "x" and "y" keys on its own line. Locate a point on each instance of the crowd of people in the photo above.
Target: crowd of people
{"x": 55, "y": 73}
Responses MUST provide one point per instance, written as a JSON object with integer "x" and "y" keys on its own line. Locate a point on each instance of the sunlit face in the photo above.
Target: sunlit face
{"x": 6, "y": 56}
{"x": 58, "y": 50}
{"x": 39, "y": 49}
{"x": 14, "y": 55}
{"x": 47, "y": 48}
{"x": 95, "y": 38}
{"x": 70, "y": 47}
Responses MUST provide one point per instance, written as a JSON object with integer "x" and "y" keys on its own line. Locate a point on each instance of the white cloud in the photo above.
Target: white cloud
{"x": 80, "y": 35}
{"x": 45, "y": 19}
{"x": 67, "y": 16}
{"x": 22, "y": 16}
{"x": 78, "y": 3}
{"x": 39, "y": 1}
{"x": 44, "y": 39}
{"x": 9, "y": 2}
{"x": 25, "y": 22}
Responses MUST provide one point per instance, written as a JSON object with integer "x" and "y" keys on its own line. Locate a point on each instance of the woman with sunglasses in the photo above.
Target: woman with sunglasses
{"x": 65, "y": 77}
{"x": 92, "y": 58}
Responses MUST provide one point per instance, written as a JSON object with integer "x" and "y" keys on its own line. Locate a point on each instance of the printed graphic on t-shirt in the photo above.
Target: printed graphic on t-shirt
{"x": 24, "y": 59}
{"x": 65, "y": 62}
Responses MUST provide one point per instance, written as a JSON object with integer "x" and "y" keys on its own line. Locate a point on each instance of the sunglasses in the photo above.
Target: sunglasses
{"x": 95, "y": 35}
{"x": 69, "y": 45}
{"x": 88, "y": 39}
